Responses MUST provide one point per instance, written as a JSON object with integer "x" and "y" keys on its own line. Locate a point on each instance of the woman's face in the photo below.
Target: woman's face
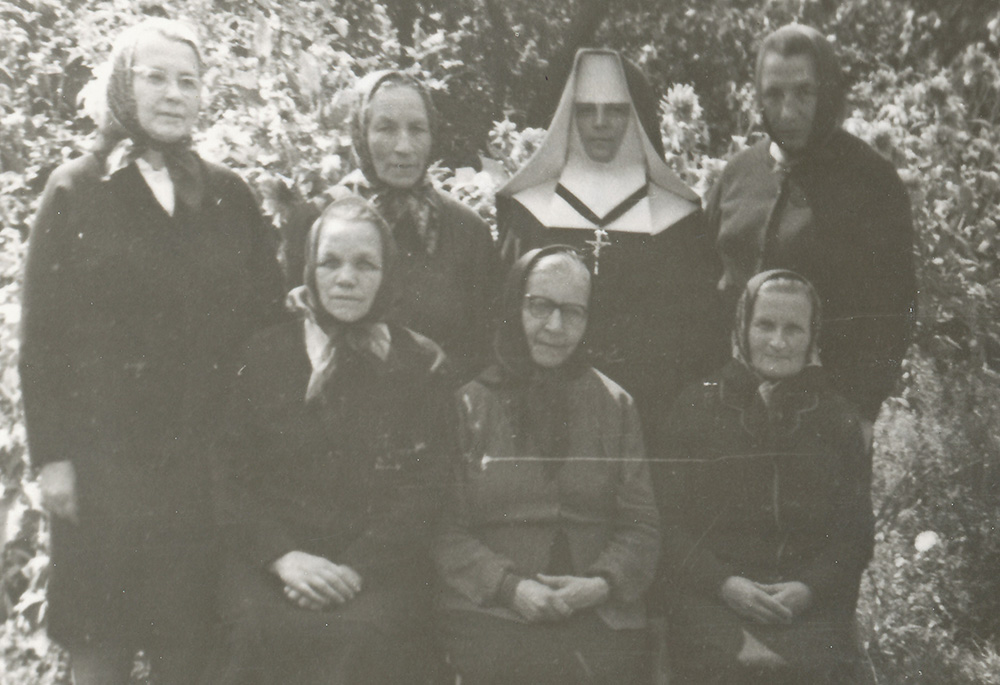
{"x": 167, "y": 86}
{"x": 554, "y": 309}
{"x": 399, "y": 135}
{"x": 348, "y": 268}
{"x": 780, "y": 333}
{"x": 789, "y": 92}
{"x": 601, "y": 126}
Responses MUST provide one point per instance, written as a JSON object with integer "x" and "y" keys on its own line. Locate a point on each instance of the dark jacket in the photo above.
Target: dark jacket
{"x": 354, "y": 475}
{"x": 771, "y": 498}
{"x": 858, "y": 253}
{"x": 131, "y": 324}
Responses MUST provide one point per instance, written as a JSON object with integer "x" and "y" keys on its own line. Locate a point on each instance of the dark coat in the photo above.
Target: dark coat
{"x": 131, "y": 322}
{"x": 355, "y": 475}
{"x": 656, "y": 319}
{"x": 770, "y": 498}
{"x": 858, "y": 253}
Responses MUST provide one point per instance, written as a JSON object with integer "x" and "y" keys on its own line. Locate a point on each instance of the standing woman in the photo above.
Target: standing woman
{"x": 598, "y": 182}
{"x": 146, "y": 268}
{"x": 767, "y": 508}
{"x": 334, "y": 454}
{"x": 448, "y": 267}
{"x": 552, "y": 536}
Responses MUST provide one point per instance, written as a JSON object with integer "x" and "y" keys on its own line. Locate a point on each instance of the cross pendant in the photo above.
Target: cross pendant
{"x": 599, "y": 241}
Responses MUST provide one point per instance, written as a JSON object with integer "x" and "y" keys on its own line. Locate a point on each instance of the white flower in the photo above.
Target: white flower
{"x": 924, "y": 541}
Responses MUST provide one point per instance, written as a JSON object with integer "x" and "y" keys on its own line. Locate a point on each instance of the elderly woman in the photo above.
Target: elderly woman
{"x": 146, "y": 269}
{"x": 333, "y": 460}
{"x": 813, "y": 198}
{"x": 767, "y": 505}
{"x": 598, "y": 182}
{"x": 448, "y": 267}
{"x": 552, "y": 536}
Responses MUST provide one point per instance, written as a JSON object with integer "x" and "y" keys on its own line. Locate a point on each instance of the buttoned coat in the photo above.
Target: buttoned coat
{"x": 132, "y": 320}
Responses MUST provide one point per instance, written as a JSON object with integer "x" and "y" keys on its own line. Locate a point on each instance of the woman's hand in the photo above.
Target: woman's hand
{"x": 57, "y": 483}
{"x": 313, "y": 582}
{"x": 796, "y": 596}
{"x": 538, "y": 602}
{"x": 578, "y": 592}
{"x": 752, "y": 601}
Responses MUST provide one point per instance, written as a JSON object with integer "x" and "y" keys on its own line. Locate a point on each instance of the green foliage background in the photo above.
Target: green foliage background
{"x": 926, "y": 93}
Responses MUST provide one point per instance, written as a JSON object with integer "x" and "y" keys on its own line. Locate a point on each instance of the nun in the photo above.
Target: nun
{"x": 598, "y": 182}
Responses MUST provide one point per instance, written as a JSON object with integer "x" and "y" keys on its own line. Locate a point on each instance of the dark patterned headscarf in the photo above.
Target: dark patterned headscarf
{"x": 747, "y": 302}
{"x": 120, "y": 127}
{"x": 538, "y": 397}
{"x": 798, "y": 39}
{"x": 411, "y": 212}
{"x": 345, "y": 342}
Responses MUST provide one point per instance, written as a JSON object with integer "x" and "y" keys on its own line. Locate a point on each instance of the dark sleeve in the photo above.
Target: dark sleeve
{"x": 265, "y": 273}
{"x": 629, "y": 561}
{"x": 239, "y": 463}
{"x": 518, "y": 231}
{"x": 56, "y": 403}
{"x": 873, "y": 288}
{"x": 400, "y": 527}
{"x": 890, "y": 288}
{"x": 835, "y": 572}
{"x": 487, "y": 278}
{"x": 686, "y": 563}
{"x": 463, "y": 561}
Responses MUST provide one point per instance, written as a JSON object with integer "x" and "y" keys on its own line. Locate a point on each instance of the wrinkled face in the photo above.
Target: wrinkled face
{"x": 779, "y": 334}
{"x": 399, "y": 135}
{"x": 602, "y": 127}
{"x": 167, "y": 85}
{"x": 348, "y": 268}
{"x": 554, "y": 309}
{"x": 788, "y": 92}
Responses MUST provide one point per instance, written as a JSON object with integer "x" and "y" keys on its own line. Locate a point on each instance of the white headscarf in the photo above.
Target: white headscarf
{"x": 599, "y": 76}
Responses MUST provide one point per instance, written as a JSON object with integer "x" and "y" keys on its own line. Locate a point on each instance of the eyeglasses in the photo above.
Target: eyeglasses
{"x": 542, "y": 308}
{"x": 160, "y": 80}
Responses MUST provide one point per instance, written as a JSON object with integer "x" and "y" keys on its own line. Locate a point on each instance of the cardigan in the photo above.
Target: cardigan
{"x": 505, "y": 514}
{"x": 771, "y": 497}
{"x": 856, "y": 251}
{"x": 355, "y": 475}
{"x": 131, "y": 323}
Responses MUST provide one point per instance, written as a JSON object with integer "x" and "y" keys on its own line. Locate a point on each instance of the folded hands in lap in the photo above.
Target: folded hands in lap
{"x": 766, "y": 603}
{"x": 313, "y": 582}
{"x": 552, "y": 598}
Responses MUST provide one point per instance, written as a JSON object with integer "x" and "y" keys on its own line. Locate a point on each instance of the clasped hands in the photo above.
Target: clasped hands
{"x": 553, "y": 598}
{"x": 766, "y": 603}
{"x": 313, "y": 582}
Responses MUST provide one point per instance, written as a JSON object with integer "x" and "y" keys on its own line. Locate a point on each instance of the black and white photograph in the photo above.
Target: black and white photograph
{"x": 499, "y": 342}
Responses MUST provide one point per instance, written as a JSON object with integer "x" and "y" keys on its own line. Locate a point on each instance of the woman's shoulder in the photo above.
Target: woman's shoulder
{"x": 223, "y": 178}
{"x": 455, "y": 213}
{"x": 79, "y": 170}
{"x": 417, "y": 351}
{"x": 269, "y": 346}
{"x": 597, "y": 382}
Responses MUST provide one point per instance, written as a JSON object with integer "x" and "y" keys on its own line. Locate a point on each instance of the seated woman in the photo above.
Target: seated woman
{"x": 552, "y": 536}
{"x": 767, "y": 508}
{"x": 332, "y": 467}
